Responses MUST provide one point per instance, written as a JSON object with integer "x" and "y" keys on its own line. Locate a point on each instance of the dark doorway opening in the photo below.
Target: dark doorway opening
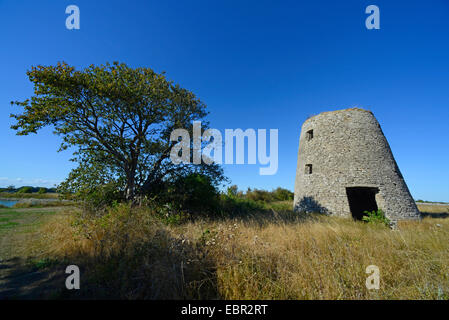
{"x": 361, "y": 199}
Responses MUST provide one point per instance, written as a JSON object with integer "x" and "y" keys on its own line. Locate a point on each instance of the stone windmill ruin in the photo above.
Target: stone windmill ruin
{"x": 346, "y": 167}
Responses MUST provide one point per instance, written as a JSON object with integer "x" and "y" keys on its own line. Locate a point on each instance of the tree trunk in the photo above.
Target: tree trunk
{"x": 130, "y": 188}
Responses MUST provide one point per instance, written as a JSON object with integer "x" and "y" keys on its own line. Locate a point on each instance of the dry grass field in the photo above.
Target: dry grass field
{"x": 129, "y": 254}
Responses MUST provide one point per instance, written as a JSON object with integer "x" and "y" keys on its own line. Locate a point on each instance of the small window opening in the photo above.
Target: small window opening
{"x": 308, "y": 169}
{"x": 309, "y": 135}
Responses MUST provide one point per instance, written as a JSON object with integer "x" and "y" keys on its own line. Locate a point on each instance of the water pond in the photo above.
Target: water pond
{"x": 7, "y": 203}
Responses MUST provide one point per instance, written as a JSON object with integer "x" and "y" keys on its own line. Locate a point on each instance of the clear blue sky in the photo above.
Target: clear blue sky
{"x": 256, "y": 64}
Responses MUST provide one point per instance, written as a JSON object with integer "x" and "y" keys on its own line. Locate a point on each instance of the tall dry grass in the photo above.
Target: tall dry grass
{"x": 132, "y": 254}
{"x": 129, "y": 254}
{"x": 327, "y": 259}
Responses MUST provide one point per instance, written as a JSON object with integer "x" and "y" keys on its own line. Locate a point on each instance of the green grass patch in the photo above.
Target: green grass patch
{"x": 11, "y": 213}
{"x": 8, "y": 225}
{"x": 22, "y": 220}
{"x": 44, "y": 263}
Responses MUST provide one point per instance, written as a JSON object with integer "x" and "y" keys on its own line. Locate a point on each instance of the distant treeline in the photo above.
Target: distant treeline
{"x": 424, "y": 201}
{"x": 278, "y": 194}
{"x": 28, "y": 189}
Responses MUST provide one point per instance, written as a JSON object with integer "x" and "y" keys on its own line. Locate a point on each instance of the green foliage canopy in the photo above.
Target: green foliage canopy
{"x": 118, "y": 119}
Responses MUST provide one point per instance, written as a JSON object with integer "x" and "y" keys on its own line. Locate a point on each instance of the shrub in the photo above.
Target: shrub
{"x": 97, "y": 199}
{"x": 193, "y": 193}
{"x": 232, "y": 191}
{"x": 282, "y": 194}
{"x": 259, "y": 195}
{"x": 25, "y": 190}
{"x": 42, "y": 190}
{"x": 237, "y": 207}
{"x": 376, "y": 217}
{"x": 279, "y": 194}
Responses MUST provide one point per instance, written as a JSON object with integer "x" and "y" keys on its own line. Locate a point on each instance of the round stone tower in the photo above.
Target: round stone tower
{"x": 345, "y": 167}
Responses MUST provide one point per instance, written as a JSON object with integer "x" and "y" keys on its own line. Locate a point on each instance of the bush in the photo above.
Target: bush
{"x": 25, "y": 190}
{"x": 194, "y": 193}
{"x": 282, "y": 194}
{"x": 233, "y": 191}
{"x": 97, "y": 199}
{"x": 376, "y": 217}
{"x": 279, "y": 194}
{"x": 42, "y": 190}
{"x": 259, "y": 195}
{"x": 234, "y": 206}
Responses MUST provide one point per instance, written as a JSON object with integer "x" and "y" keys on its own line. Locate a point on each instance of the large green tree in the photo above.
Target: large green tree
{"x": 118, "y": 119}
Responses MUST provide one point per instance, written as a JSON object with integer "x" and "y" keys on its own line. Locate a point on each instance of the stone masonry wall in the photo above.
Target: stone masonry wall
{"x": 348, "y": 149}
